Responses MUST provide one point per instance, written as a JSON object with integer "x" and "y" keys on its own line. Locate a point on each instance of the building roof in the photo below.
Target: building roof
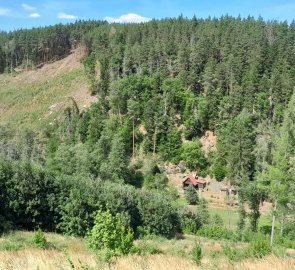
{"x": 195, "y": 180}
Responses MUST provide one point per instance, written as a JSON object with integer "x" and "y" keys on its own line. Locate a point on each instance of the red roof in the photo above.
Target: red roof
{"x": 195, "y": 180}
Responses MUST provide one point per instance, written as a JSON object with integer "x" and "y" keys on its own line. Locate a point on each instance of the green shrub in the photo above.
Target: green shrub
{"x": 203, "y": 212}
{"x": 191, "y": 195}
{"x": 156, "y": 181}
{"x": 109, "y": 233}
{"x": 193, "y": 155}
{"x": 214, "y": 232}
{"x": 259, "y": 248}
{"x": 197, "y": 253}
{"x": 39, "y": 239}
{"x": 145, "y": 248}
{"x": 190, "y": 222}
{"x": 10, "y": 246}
{"x": 285, "y": 242}
{"x": 265, "y": 229}
{"x": 217, "y": 220}
{"x": 233, "y": 253}
{"x": 289, "y": 230}
{"x": 158, "y": 214}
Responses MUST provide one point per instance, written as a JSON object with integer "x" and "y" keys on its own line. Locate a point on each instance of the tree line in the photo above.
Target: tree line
{"x": 30, "y": 48}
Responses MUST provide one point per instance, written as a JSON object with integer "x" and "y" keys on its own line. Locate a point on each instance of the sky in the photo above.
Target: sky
{"x": 16, "y": 14}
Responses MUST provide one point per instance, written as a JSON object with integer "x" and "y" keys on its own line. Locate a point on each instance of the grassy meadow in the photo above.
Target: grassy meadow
{"x": 19, "y": 252}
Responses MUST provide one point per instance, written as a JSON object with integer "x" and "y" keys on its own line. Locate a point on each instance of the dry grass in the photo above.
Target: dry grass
{"x": 165, "y": 262}
{"x": 153, "y": 262}
{"x": 42, "y": 259}
{"x": 72, "y": 253}
{"x": 51, "y": 259}
{"x": 268, "y": 263}
{"x": 66, "y": 251}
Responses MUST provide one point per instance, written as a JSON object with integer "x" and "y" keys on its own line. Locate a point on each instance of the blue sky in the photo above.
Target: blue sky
{"x": 15, "y": 14}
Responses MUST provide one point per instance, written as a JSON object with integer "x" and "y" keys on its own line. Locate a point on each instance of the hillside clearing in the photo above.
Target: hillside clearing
{"x": 33, "y": 98}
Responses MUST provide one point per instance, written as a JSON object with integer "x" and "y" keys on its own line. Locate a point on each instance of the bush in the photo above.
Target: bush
{"x": 39, "y": 239}
{"x": 285, "y": 242}
{"x": 145, "y": 248}
{"x": 109, "y": 234}
{"x": 197, "y": 253}
{"x": 233, "y": 253}
{"x": 266, "y": 229}
{"x": 158, "y": 215}
{"x": 190, "y": 222}
{"x": 191, "y": 195}
{"x": 259, "y": 248}
{"x": 203, "y": 212}
{"x": 217, "y": 220}
{"x": 215, "y": 232}
{"x": 10, "y": 246}
{"x": 289, "y": 230}
{"x": 157, "y": 181}
{"x": 193, "y": 155}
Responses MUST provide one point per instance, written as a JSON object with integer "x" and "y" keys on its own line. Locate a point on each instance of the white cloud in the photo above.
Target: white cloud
{"x": 4, "y": 12}
{"x": 63, "y": 15}
{"x": 127, "y": 18}
{"x": 35, "y": 15}
{"x": 28, "y": 7}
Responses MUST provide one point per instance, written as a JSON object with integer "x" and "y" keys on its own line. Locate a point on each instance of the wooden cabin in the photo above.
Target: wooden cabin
{"x": 195, "y": 181}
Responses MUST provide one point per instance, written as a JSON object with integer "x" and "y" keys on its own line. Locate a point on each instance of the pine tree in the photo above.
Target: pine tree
{"x": 191, "y": 195}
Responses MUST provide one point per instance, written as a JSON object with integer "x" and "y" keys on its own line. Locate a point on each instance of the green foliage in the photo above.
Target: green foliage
{"x": 259, "y": 248}
{"x": 109, "y": 233}
{"x": 193, "y": 156}
{"x": 203, "y": 212}
{"x": 219, "y": 170}
{"x": 5, "y": 226}
{"x": 242, "y": 217}
{"x": 214, "y": 232}
{"x": 253, "y": 195}
{"x": 10, "y": 246}
{"x": 217, "y": 220}
{"x": 237, "y": 138}
{"x": 190, "y": 221}
{"x": 39, "y": 239}
{"x": 144, "y": 248}
{"x": 231, "y": 253}
{"x": 150, "y": 96}
{"x": 170, "y": 146}
{"x": 158, "y": 215}
{"x": 197, "y": 253}
{"x": 77, "y": 210}
{"x": 158, "y": 181}
{"x": 191, "y": 195}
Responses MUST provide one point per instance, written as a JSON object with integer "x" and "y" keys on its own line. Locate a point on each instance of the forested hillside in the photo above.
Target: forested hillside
{"x": 30, "y": 48}
{"x": 160, "y": 85}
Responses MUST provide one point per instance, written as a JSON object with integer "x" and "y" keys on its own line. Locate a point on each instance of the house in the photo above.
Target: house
{"x": 197, "y": 182}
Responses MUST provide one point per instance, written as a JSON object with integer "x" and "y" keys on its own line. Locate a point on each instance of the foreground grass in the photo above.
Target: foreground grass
{"x": 17, "y": 251}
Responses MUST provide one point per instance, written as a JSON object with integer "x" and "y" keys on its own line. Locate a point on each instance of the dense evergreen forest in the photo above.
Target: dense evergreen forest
{"x": 31, "y": 48}
{"x": 159, "y": 84}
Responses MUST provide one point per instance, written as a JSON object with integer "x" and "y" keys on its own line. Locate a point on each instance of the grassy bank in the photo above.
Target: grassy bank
{"x": 18, "y": 251}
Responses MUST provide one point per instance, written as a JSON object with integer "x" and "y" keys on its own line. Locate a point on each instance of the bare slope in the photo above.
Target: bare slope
{"x": 32, "y": 98}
